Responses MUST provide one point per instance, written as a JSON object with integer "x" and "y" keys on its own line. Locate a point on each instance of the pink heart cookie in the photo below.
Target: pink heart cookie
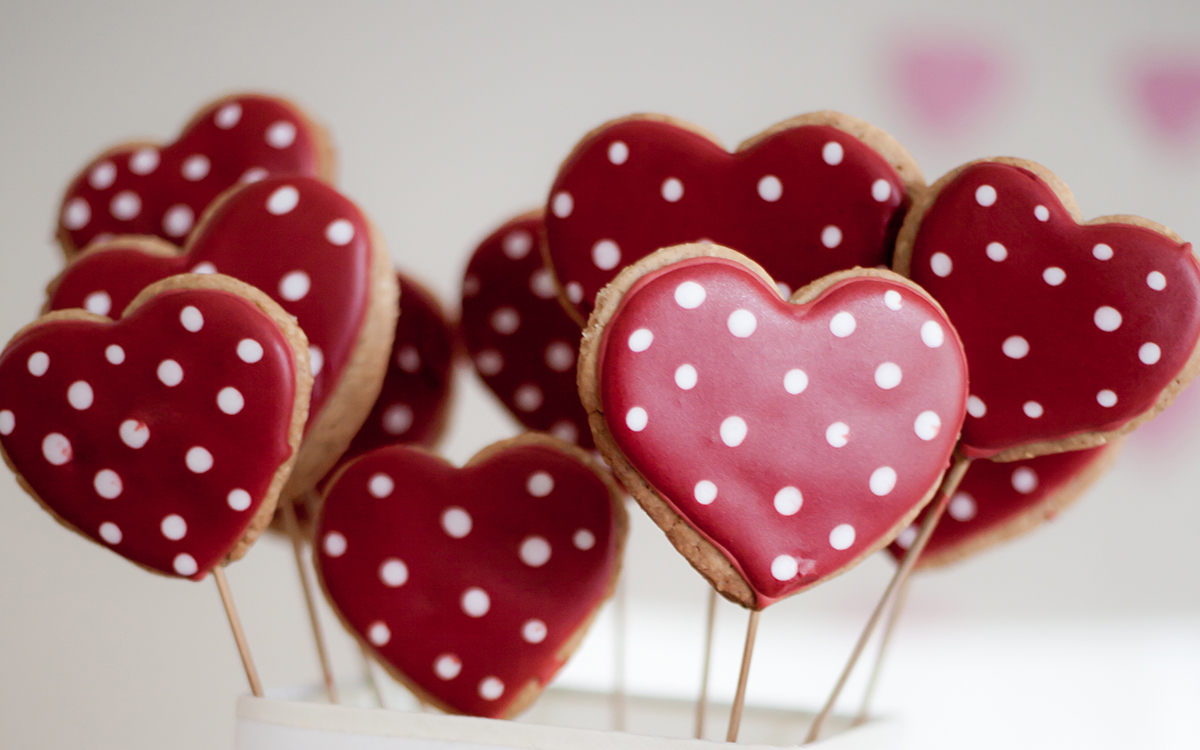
{"x": 165, "y": 436}
{"x": 149, "y": 189}
{"x": 472, "y": 585}
{"x": 999, "y": 501}
{"x": 1075, "y": 331}
{"x": 522, "y": 343}
{"x": 315, "y": 253}
{"x": 777, "y": 444}
{"x": 807, "y": 197}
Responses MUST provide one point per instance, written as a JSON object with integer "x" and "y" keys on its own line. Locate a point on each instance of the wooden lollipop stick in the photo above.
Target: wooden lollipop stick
{"x": 949, "y": 485}
{"x": 239, "y": 636}
{"x": 293, "y": 530}
{"x": 619, "y": 701}
{"x": 739, "y": 698}
{"x": 372, "y": 678}
{"x": 864, "y": 709}
{"x": 702, "y": 702}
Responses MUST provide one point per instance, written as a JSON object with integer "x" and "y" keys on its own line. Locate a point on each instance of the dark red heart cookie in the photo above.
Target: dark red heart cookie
{"x": 521, "y": 341}
{"x": 999, "y": 501}
{"x": 149, "y": 189}
{"x": 810, "y": 196}
{"x": 315, "y": 253}
{"x": 1075, "y": 332}
{"x": 165, "y": 436}
{"x": 777, "y": 444}
{"x": 472, "y": 585}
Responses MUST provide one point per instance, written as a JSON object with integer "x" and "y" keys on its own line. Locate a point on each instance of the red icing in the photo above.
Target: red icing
{"x": 530, "y": 369}
{"x": 153, "y": 495}
{"x": 422, "y": 619}
{"x": 788, "y": 441}
{"x": 246, "y": 240}
{"x": 627, "y": 203}
{"x": 1070, "y": 366}
{"x": 216, "y": 151}
{"x": 993, "y": 495}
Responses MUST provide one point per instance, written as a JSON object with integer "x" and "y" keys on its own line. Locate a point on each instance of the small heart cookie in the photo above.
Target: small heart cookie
{"x": 150, "y": 189}
{"x": 777, "y": 444}
{"x": 165, "y": 436}
{"x": 472, "y": 585}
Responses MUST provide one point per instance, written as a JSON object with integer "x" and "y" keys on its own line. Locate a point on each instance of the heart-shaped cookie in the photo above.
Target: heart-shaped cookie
{"x": 151, "y": 189}
{"x": 472, "y": 585}
{"x": 315, "y": 253}
{"x": 522, "y": 343}
{"x": 777, "y": 444}
{"x": 1075, "y": 331}
{"x": 999, "y": 501}
{"x": 165, "y": 436}
{"x": 810, "y": 196}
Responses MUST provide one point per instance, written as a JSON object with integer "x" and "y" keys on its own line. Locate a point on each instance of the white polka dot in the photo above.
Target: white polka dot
{"x": 506, "y": 321}
{"x": 456, "y": 522}
{"x": 380, "y": 485}
{"x": 1054, "y": 275}
{"x": 906, "y": 538}
{"x": 541, "y": 283}
{"x": 228, "y": 116}
{"x": 1156, "y": 281}
{"x": 253, "y": 174}
{"x": 1015, "y": 347}
{"x": 985, "y": 195}
{"x": 144, "y": 161}
{"x": 1024, "y": 480}
{"x": 178, "y": 220}
{"x": 562, "y": 205}
{"x": 583, "y": 540}
{"x": 198, "y": 460}
{"x": 56, "y": 448}
{"x": 533, "y": 631}
{"x": 941, "y": 265}
{"x": 491, "y": 688}
{"x": 788, "y": 501}
{"x": 173, "y": 527}
{"x": 686, "y": 377}
{"x": 640, "y": 340}
{"x": 379, "y": 634}
{"x": 125, "y": 205}
{"x": 1106, "y": 398}
{"x": 191, "y": 318}
{"x": 770, "y": 188}
{"x": 1102, "y": 251}
{"x": 539, "y": 484}
{"x": 489, "y": 362}
{"x": 38, "y": 363}
{"x": 996, "y": 251}
{"x": 195, "y": 167}
{"x": 110, "y": 532}
{"x": 535, "y": 551}
{"x": 1149, "y": 353}
{"x": 892, "y": 299}
{"x": 784, "y": 568}
{"x": 476, "y": 602}
{"x": 704, "y": 492}
{"x": 230, "y": 400}
{"x": 672, "y": 190}
{"x": 283, "y": 200}
{"x": 339, "y": 232}
{"x": 637, "y": 419}
{"x": 795, "y": 381}
{"x": 831, "y": 236}
{"x": 103, "y": 175}
{"x": 204, "y": 267}
{"x": 742, "y": 323}
{"x": 134, "y": 433}
{"x": 842, "y": 324}
{"x": 528, "y": 397}
{"x": 316, "y": 360}
{"x": 837, "y": 434}
{"x": 281, "y": 134}
{"x": 618, "y": 152}
{"x": 565, "y": 431}
{"x": 294, "y": 286}
{"x": 888, "y": 375}
{"x": 932, "y": 334}
{"x": 842, "y": 536}
{"x": 170, "y": 373}
{"x": 927, "y": 425}
{"x": 408, "y": 358}
{"x": 185, "y": 564}
{"x": 76, "y": 214}
{"x": 396, "y": 419}
{"x": 114, "y": 354}
{"x": 606, "y": 255}
{"x": 334, "y": 544}
{"x": 883, "y": 481}
{"x": 239, "y": 499}
{"x": 8, "y": 422}
{"x": 447, "y": 666}
{"x": 962, "y": 507}
{"x": 1033, "y": 409}
{"x": 689, "y": 295}
{"x": 574, "y": 291}
{"x": 107, "y": 484}
{"x": 785, "y": 291}
{"x": 393, "y": 573}
{"x": 249, "y": 351}
{"x": 1041, "y": 212}
{"x": 881, "y": 190}
{"x": 733, "y": 431}
{"x": 98, "y": 302}
{"x": 1107, "y": 318}
{"x": 80, "y": 395}
{"x": 832, "y": 153}
{"x": 559, "y": 356}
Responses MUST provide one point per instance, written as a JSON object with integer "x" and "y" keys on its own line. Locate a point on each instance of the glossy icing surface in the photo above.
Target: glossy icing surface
{"x": 795, "y": 438}
{"x": 163, "y": 191}
{"x": 468, "y": 581}
{"x": 802, "y": 203}
{"x": 156, "y": 436}
{"x": 1068, "y": 328}
{"x": 523, "y": 344}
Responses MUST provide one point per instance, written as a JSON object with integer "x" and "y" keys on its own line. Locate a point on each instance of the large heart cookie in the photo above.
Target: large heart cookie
{"x": 165, "y": 436}
{"x": 145, "y": 188}
{"x": 315, "y": 253}
{"x": 807, "y": 197}
{"x": 1075, "y": 332}
{"x": 522, "y": 342}
{"x": 777, "y": 444}
{"x": 472, "y": 585}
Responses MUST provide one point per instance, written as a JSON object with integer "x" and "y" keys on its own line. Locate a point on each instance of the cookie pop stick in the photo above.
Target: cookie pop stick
{"x": 702, "y": 702}
{"x": 239, "y": 636}
{"x": 293, "y": 531}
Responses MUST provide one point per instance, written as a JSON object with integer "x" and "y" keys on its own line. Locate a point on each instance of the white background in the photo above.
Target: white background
{"x": 448, "y": 118}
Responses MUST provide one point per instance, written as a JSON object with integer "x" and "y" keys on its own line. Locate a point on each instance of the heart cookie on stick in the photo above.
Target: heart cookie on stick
{"x": 151, "y": 189}
{"x": 776, "y": 443}
{"x": 472, "y": 585}
{"x": 167, "y": 435}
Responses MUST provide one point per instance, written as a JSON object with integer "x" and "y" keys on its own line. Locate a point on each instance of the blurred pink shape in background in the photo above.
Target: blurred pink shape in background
{"x": 1167, "y": 92}
{"x": 947, "y": 84}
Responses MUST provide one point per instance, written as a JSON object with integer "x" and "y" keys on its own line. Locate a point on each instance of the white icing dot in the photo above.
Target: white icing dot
{"x": 892, "y": 299}
{"x": 906, "y": 538}
{"x": 640, "y": 340}
{"x": 705, "y": 492}
{"x": 103, "y": 175}
{"x": 198, "y": 460}
{"x": 505, "y": 321}
{"x": 618, "y": 152}
{"x": 491, "y": 688}
{"x": 672, "y": 190}
{"x": 832, "y": 152}
{"x": 831, "y": 236}
{"x": 380, "y": 485}
{"x": 76, "y": 214}
{"x": 686, "y": 377}
{"x": 1106, "y": 398}
{"x": 283, "y": 200}
{"x": 689, "y": 295}
{"x": 456, "y": 522}
{"x": 770, "y": 188}
{"x": 1054, "y": 275}
{"x": 80, "y": 395}
{"x": 788, "y": 501}
{"x": 842, "y": 536}
{"x": 535, "y": 551}
{"x": 932, "y": 334}
{"x": 1024, "y": 480}
{"x": 887, "y": 375}
{"x": 733, "y": 431}
{"x": 837, "y": 434}
{"x": 565, "y": 431}
{"x": 574, "y": 291}
{"x": 191, "y": 318}
{"x": 144, "y": 161}
{"x": 1015, "y": 347}
{"x": 975, "y": 407}
{"x": 447, "y": 666}
{"x": 637, "y": 419}
{"x": 178, "y": 220}
{"x": 110, "y": 532}
{"x": 883, "y": 480}
{"x": 784, "y": 568}
{"x": 1033, "y": 409}
{"x": 742, "y": 323}
{"x": 334, "y": 544}
{"x": 170, "y": 373}
{"x": 294, "y": 286}
{"x": 1107, "y": 318}
{"x": 134, "y": 433}
{"x": 541, "y": 283}
{"x": 125, "y": 205}
{"x": 985, "y": 195}
{"x": 941, "y": 264}
{"x": 539, "y": 484}
{"x": 379, "y": 633}
{"x": 533, "y": 631}
{"x": 489, "y": 362}
{"x": 583, "y": 540}
{"x": 785, "y": 291}
{"x": 253, "y": 174}
{"x": 230, "y": 400}
{"x": 98, "y": 302}
{"x": 8, "y": 421}
{"x": 476, "y": 602}
{"x": 606, "y": 255}
{"x": 881, "y": 190}
{"x": 107, "y": 484}
{"x": 393, "y": 572}
{"x": 185, "y": 564}
{"x": 528, "y": 397}
{"x": 195, "y": 167}
{"x": 239, "y": 499}
{"x": 1041, "y": 212}
{"x": 562, "y": 205}
{"x": 408, "y": 358}
{"x": 204, "y": 267}
{"x": 56, "y": 448}
{"x": 249, "y": 351}
{"x": 1156, "y": 281}
{"x": 114, "y": 354}
{"x": 281, "y": 134}
{"x": 1149, "y": 353}
{"x": 228, "y": 116}
{"x": 316, "y": 360}
{"x": 339, "y": 232}
{"x": 397, "y": 418}
{"x": 927, "y": 425}
{"x": 559, "y": 356}
{"x": 1102, "y": 252}
{"x": 962, "y": 507}
{"x": 38, "y": 363}
{"x": 173, "y": 527}
{"x": 842, "y": 324}
{"x": 996, "y": 251}
{"x": 795, "y": 381}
